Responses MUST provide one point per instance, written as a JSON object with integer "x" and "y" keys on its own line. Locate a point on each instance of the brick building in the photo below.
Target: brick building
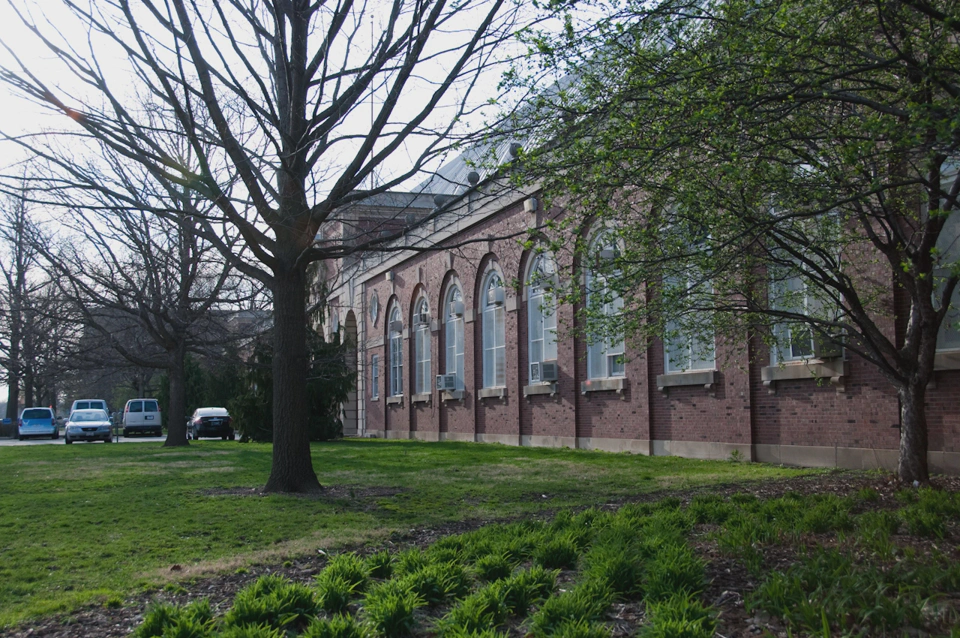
{"x": 457, "y": 343}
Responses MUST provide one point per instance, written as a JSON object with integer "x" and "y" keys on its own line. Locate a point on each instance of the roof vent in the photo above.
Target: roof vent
{"x": 515, "y": 148}
{"x": 473, "y": 177}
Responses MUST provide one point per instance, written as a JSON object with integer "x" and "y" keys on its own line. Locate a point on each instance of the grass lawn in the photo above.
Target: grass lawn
{"x": 84, "y": 523}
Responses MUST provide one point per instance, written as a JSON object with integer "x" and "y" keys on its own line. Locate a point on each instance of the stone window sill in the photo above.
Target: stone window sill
{"x": 705, "y": 378}
{"x": 421, "y": 398}
{"x": 949, "y": 360}
{"x": 492, "y": 393}
{"x": 540, "y": 388}
{"x": 456, "y": 395}
{"x": 833, "y": 369}
{"x": 395, "y": 400}
{"x": 609, "y": 384}
{"x": 376, "y": 398}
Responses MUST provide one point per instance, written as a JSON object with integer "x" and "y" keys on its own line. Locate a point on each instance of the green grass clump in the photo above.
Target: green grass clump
{"x": 334, "y": 594}
{"x": 828, "y": 514}
{"x": 833, "y": 588}
{"x": 388, "y": 610}
{"x": 350, "y": 567}
{"x": 274, "y": 601}
{"x": 193, "y": 621}
{"x": 868, "y": 495}
{"x": 616, "y": 565}
{"x": 586, "y": 602}
{"x": 380, "y": 564}
{"x": 339, "y": 626}
{"x": 560, "y": 552}
{"x": 678, "y": 616}
{"x": 674, "y": 569}
{"x": 528, "y": 587}
{"x": 410, "y": 561}
{"x": 252, "y": 631}
{"x": 493, "y": 567}
{"x": 710, "y": 509}
{"x": 581, "y": 629}
{"x": 482, "y": 611}
{"x": 438, "y": 583}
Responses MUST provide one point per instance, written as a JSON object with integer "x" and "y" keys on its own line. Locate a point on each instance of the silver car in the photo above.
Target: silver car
{"x": 88, "y": 425}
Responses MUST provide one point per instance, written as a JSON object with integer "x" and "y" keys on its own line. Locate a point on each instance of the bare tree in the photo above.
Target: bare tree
{"x": 303, "y": 103}
{"x": 147, "y": 283}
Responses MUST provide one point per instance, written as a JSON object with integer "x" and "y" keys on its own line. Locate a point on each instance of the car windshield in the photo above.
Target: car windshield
{"x": 89, "y": 415}
{"x": 38, "y": 413}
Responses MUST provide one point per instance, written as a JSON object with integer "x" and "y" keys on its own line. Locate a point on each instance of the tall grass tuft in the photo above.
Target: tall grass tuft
{"x": 339, "y": 626}
{"x": 388, "y": 610}
{"x": 380, "y": 564}
{"x": 678, "y": 616}
{"x": 482, "y": 611}
{"x": 493, "y": 567}
{"x": 560, "y": 552}
{"x": 585, "y": 602}
{"x": 437, "y": 583}
{"x": 674, "y": 569}
{"x": 526, "y": 588}
{"x": 193, "y": 621}
{"x": 274, "y": 601}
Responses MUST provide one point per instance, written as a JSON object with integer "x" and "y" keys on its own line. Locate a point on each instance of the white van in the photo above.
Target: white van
{"x": 89, "y": 404}
{"x": 142, "y": 416}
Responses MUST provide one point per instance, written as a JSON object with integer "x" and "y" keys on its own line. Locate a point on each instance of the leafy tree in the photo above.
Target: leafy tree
{"x": 292, "y": 109}
{"x": 778, "y": 168}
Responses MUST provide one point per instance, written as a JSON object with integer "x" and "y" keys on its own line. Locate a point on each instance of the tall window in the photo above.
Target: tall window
{"x": 453, "y": 309}
{"x": 421, "y": 347}
{"x": 794, "y": 341}
{"x": 375, "y": 377}
{"x": 541, "y": 311}
{"x": 948, "y": 251}
{"x": 685, "y": 348}
{"x": 605, "y": 342}
{"x": 396, "y": 352}
{"x": 494, "y": 333}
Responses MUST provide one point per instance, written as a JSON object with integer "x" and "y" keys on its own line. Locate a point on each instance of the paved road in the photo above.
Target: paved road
{"x": 123, "y": 439}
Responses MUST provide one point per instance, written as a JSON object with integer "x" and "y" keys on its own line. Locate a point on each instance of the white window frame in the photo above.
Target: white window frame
{"x": 541, "y": 312}
{"x": 421, "y": 351}
{"x": 375, "y": 376}
{"x": 605, "y": 355}
{"x": 493, "y": 335}
{"x": 454, "y": 336}
{"x": 396, "y": 354}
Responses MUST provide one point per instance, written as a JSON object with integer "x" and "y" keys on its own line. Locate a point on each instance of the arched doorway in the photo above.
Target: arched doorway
{"x": 350, "y": 406}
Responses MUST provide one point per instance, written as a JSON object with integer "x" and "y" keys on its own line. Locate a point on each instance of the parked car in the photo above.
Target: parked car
{"x": 89, "y": 404}
{"x": 37, "y": 422}
{"x": 142, "y": 416}
{"x": 87, "y": 425}
{"x": 210, "y": 422}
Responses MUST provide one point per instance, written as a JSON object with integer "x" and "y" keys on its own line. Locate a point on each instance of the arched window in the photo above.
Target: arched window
{"x": 421, "y": 348}
{"x": 453, "y": 313}
{"x": 604, "y": 340}
{"x": 494, "y": 333}
{"x": 396, "y": 352}
{"x": 541, "y": 315}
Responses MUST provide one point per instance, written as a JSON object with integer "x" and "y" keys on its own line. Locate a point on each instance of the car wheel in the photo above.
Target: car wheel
{"x": 19, "y": 437}
{"x": 233, "y": 436}
{"x": 125, "y": 433}
{"x": 108, "y": 440}
{"x": 56, "y": 435}
{"x": 67, "y": 440}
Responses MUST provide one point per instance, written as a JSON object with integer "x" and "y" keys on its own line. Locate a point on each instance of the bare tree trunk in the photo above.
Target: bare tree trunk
{"x": 177, "y": 409}
{"x": 913, "y": 433}
{"x": 292, "y": 469}
{"x": 13, "y": 395}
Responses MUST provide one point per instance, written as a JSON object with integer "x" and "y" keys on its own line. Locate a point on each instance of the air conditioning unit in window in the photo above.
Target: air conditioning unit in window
{"x": 421, "y": 319}
{"x": 826, "y": 349}
{"x": 549, "y": 371}
{"x": 495, "y": 296}
{"x": 456, "y": 308}
{"x": 446, "y": 382}
{"x": 396, "y": 326}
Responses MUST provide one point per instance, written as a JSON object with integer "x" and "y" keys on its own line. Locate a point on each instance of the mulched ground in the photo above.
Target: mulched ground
{"x": 729, "y": 580}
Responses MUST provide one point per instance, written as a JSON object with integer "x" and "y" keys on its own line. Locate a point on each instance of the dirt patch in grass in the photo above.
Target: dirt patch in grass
{"x": 729, "y": 580}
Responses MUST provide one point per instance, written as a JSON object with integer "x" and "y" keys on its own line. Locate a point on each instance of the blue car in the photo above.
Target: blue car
{"x": 37, "y": 422}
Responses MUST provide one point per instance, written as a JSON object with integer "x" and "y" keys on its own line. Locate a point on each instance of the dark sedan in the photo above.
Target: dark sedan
{"x": 210, "y": 422}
